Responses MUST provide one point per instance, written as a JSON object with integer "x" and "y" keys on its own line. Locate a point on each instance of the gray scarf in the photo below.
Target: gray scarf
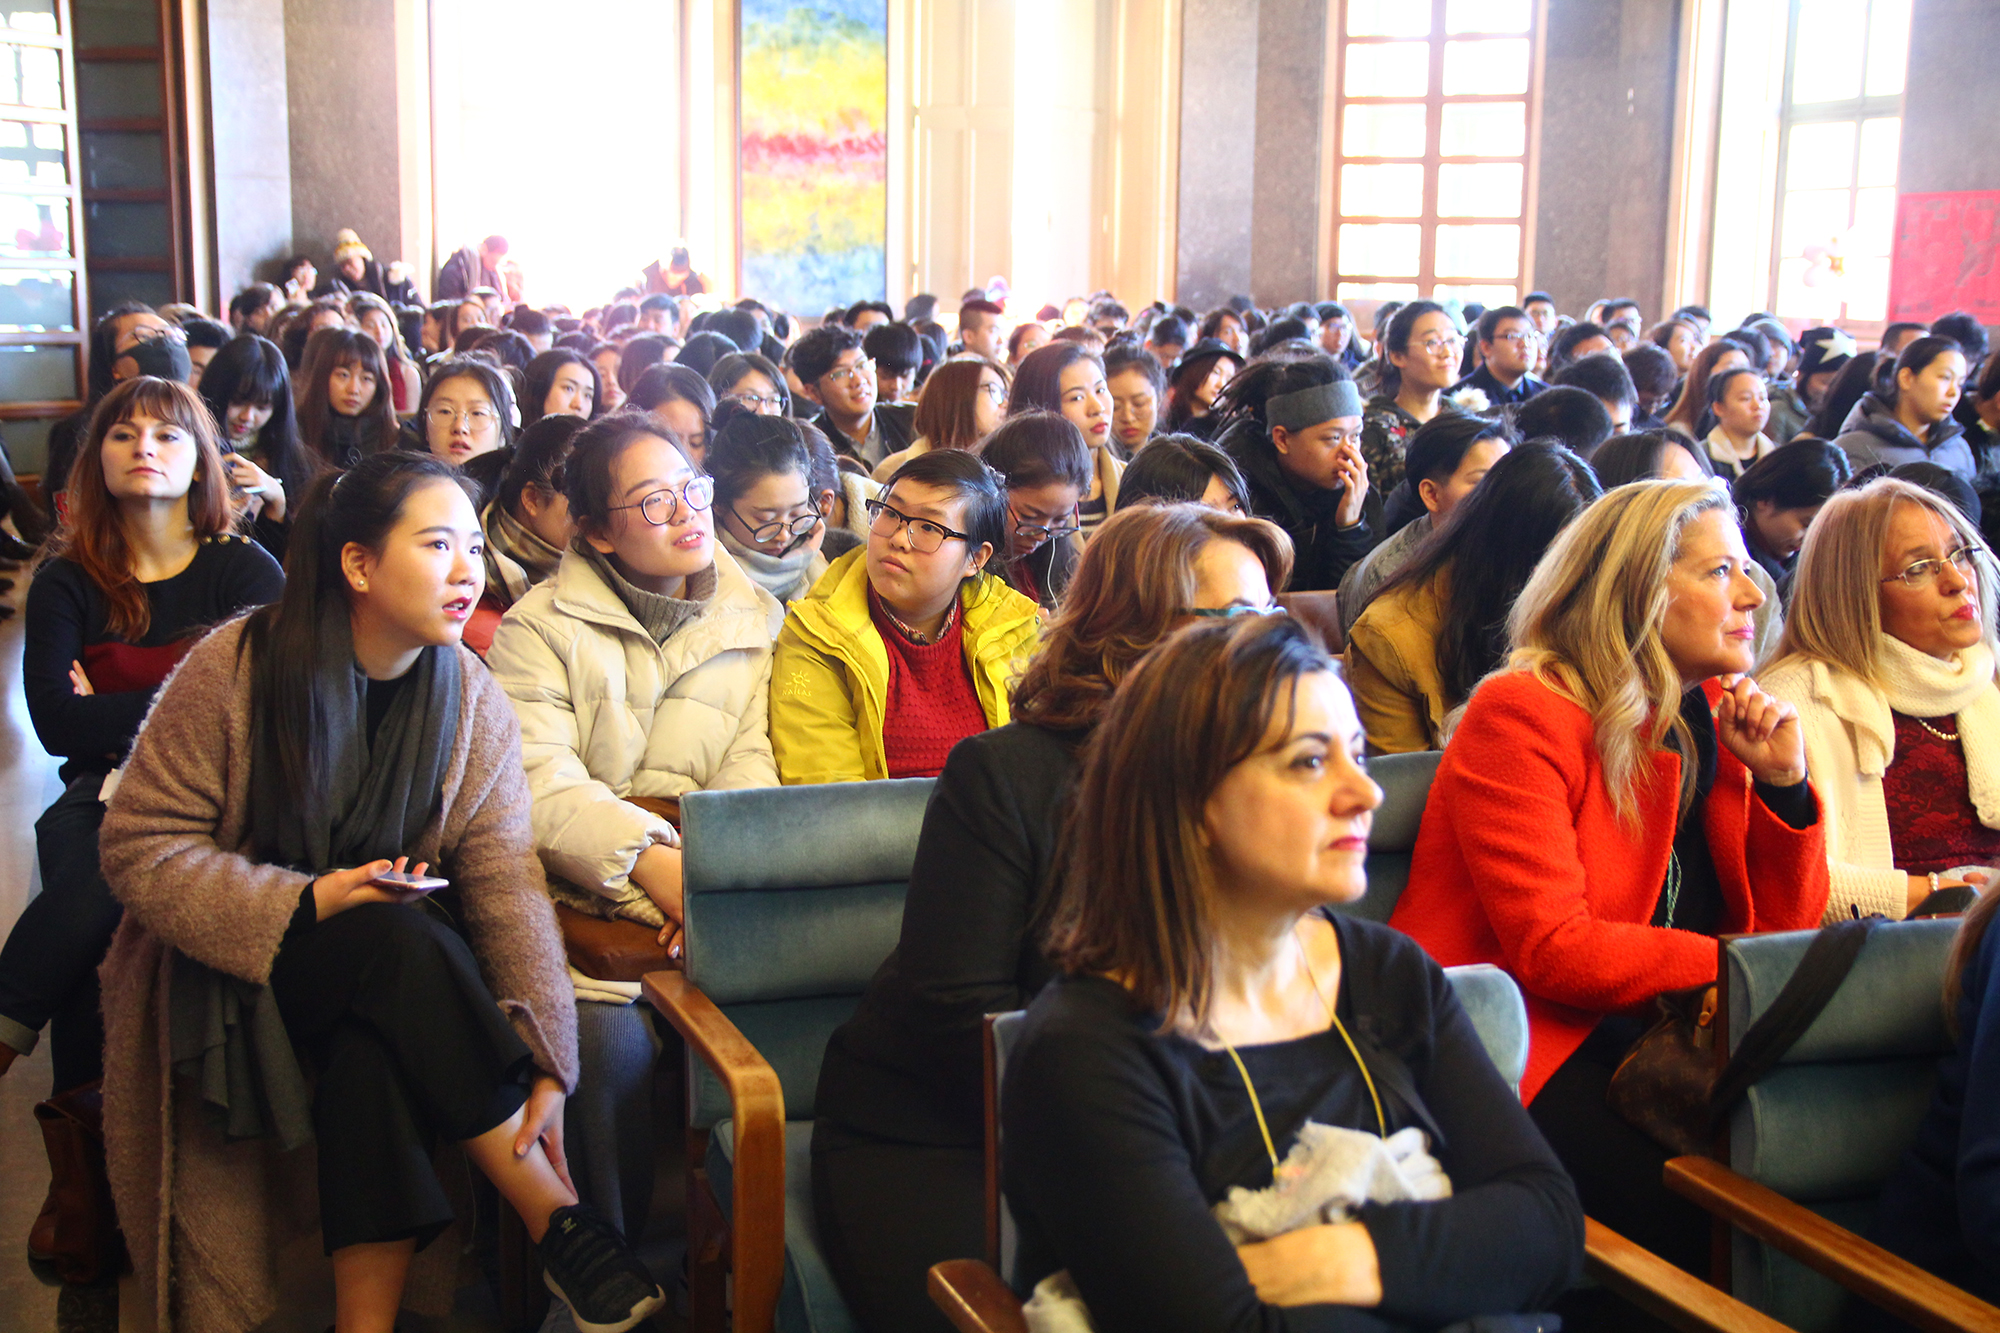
{"x": 658, "y": 614}
{"x": 226, "y": 1033}
{"x": 785, "y": 577}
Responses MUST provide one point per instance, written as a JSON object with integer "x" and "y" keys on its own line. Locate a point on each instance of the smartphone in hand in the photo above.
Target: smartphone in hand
{"x": 404, "y": 882}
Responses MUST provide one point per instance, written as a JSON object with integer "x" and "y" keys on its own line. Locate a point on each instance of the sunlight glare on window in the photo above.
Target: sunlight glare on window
{"x": 1376, "y": 291}
{"x": 1382, "y": 191}
{"x": 1389, "y": 249}
{"x": 1813, "y": 217}
{"x": 1462, "y": 16}
{"x": 1479, "y": 190}
{"x": 1888, "y": 47}
{"x": 1383, "y": 130}
{"x": 1826, "y": 62}
{"x": 1388, "y": 18}
{"x": 1388, "y": 69}
{"x": 1821, "y": 156}
{"x": 1485, "y": 251}
{"x": 1484, "y": 129}
{"x": 1488, "y": 67}
{"x": 1881, "y": 139}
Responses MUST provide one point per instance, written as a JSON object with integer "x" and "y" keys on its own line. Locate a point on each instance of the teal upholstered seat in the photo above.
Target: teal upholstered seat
{"x": 1405, "y": 780}
{"x": 1826, "y": 1127}
{"x": 794, "y": 897}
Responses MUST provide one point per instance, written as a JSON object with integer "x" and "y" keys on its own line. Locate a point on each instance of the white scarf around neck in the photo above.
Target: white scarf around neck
{"x": 1916, "y": 684}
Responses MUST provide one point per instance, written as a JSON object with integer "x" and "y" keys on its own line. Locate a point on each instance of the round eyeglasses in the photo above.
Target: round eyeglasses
{"x": 658, "y": 507}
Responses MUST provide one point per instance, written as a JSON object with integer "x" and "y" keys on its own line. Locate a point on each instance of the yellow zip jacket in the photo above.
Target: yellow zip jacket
{"x": 830, "y": 671}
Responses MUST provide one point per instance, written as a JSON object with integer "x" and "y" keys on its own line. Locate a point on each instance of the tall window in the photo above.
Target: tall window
{"x": 1431, "y": 191}
{"x": 1841, "y": 127}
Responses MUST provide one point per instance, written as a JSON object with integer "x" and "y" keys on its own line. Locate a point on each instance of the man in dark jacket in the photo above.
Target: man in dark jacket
{"x": 837, "y": 375}
{"x": 471, "y": 268}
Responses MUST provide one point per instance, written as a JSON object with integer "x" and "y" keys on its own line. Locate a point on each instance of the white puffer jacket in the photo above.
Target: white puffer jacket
{"x": 606, "y": 713}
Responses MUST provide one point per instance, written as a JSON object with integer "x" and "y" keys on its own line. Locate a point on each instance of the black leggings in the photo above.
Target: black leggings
{"x": 48, "y": 968}
{"x": 1620, "y": 1179}
{"x": 387, "y": 1005}
{"x": 886, "y": 1213}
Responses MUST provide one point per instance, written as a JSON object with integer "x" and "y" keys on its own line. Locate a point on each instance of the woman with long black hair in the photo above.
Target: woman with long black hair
{"x": 249, "y": 389}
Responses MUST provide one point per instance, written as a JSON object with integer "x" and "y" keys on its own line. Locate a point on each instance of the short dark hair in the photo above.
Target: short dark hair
{"x": 1604, "y": 375}
{"x": 530, "y": 323}
{"x": 257, "y": 296}
{"x": 1123, "y": 358}
{"x": 642, "y": 351}
{"x": 671, "y": 383}
{"x": 1652, "y": 370}
{"x": 539, "y": 458}
{"x": 1571, "y": 416}
{"x": 895, "y": 347}
{"x": 814, "y": 354}
{"x": 739, "y": 326}
{"x": 1566, "y": 341}
{"x": 1491, "y": 320}
{"x": 751, "y": 447}
{"x": 979, "y": 306}
{"x": 1532, "y": 297}
{"x": 1437, "y": 447}
{"x": 204, "y": 332}
{"x": 1168, "y": 329}
{"x": 494, "y": 244}
{"x": 977, "y": 484}
{"x": 860, "y": 308}
{"x": 1037, "y": 449}
{"x": 1636, "y": 457}
{"x": 656, "y": 302}
{"x": 1718, "y": 383}
{"x": 1798, "y": 475}
{"x": 1965, "y": 330}
{"x": 1175, "y": 469}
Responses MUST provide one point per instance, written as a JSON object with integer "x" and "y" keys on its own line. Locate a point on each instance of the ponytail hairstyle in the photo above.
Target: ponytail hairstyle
{"x": 326, "y": 351}
{"x": 1243, "y": 404}
{"x": 288, "y": 720}
{"x": 92, "y": 532}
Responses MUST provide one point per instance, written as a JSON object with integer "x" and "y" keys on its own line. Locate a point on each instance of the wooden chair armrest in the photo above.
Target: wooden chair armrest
{"x": 974, "y": 1298}
{"x": 757, "y": 1114}
{"x": 666, "y": 807}
{"x": 1664, "y": 1291}
{"x": 1863, "y": 1267}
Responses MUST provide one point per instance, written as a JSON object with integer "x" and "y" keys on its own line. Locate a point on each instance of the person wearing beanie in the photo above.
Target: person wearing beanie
{"x": 356, "y": 270}
{"x": 1823, "y": 352}
{"x": 1296, "y": 434}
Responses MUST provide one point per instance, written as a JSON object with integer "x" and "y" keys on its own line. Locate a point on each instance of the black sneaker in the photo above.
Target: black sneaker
{"x": 588, "y": 1265}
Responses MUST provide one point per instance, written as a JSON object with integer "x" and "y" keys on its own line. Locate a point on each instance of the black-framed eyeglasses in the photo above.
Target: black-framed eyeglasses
{"x": 1043, "y": 532}
{"x": 1927, "y": 571}
{"x": 925, "y": 536}
{"x": 757, "y": 402}
{"x": 1235, "y": 609}
{"x": 697, "y": 493}
{"x": 763, "y": 534}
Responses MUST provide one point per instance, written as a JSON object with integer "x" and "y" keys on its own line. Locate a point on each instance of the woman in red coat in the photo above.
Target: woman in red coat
{"x": 1614, "y": 797}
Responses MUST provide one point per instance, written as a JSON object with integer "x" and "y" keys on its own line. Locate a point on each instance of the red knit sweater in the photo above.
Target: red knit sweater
{"x": 1521, "y": 862}
{"x": 932, "y": 704}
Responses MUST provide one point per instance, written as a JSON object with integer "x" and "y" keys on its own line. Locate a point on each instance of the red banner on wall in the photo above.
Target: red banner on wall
{"x": 1947, "y": 256}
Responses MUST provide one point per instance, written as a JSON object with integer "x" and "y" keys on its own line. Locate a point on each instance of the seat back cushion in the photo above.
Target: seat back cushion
{"x": 1405, "y": 780}
{"x": 1492, "y": 999}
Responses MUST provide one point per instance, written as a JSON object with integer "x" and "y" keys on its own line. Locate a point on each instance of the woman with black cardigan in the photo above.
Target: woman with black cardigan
{"x": 1210, "y": 1005}
{"x": 897, "y": 1150}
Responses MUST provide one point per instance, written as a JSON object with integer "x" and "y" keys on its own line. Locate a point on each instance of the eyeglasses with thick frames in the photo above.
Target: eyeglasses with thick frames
{"x": 763, "y": 534}
{"x": 1043, "y": 532}
{"x": 479, "y": 418}
{"x": 657, "y": 508}
{"x": 926, "y": 537}
{"x": 757, "y": 402}
{"x": 1928, "y": 571}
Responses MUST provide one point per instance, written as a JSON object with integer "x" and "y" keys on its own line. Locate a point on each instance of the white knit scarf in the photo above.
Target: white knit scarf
{"x": 1916, "y": 684}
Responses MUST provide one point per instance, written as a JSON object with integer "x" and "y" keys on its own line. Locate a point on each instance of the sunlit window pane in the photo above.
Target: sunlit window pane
{"x": 1813, "y": 217}
{"x": 28, "y": 15}
{"x": 1382, "y": 191}
{"x": 1807, "y": 288}
{"x": 1388, "y": 18}
{"x": 1826, "y": 66}
{"x": 1479, "y": 252}
{"x": 1484, "y": 129}
{"x": 1486, "y": 67}
{"x": 1487, "y": 294}
{"x": 1479, "y": 190}
{"x": 1376, "y": 291}
{"x": 1383, "y": 131}
{"x": 1867, "y": 288}
{"x": 1485, "y": 15}
{"x": 32, "y": 153}
{"x": 1874, "y": 230}
{"x": 1881, "y": 139}
{"x": 30, "y": 76}
{"x": 1388, "y": 69}
{"x": 1888, "y": 47}
{"x": 1821, "y": 156}
{"x": 1389, "y": 249}
{"x": 34, "y": 228}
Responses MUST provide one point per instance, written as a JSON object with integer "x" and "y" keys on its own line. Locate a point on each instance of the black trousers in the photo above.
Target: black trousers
{"x": 1619, "y": 1175}
{"x": 386, "y": 1004}
{"x": 886, "y": 1213}
{"x": 48, "y": 967}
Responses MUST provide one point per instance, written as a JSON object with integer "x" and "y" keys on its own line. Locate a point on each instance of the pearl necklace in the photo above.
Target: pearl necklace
{"x": 1941, "y": 735}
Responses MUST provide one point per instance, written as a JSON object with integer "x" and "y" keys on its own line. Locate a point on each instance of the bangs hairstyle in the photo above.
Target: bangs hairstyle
{"x": 1173, "y": 469}
{"x": 498, "y": 388}
{"x": 948, "y": 408}
{"x": 1137, "y": 892}
{"x": 1039, "y": 449}
{"x": 288, "y": 719}
{"x": 1038, "y": 382}
{"x": 540, "y": 376}
{"x": 1835, "y": 615}
{"x": 983, "y": 490}
{"x": 1134, "y": 584}
{"x": 1588, "y": 625}
{"x": 93, "y": 531}
{"x": 587, "y": 476}
{"x": 326, "y": 351}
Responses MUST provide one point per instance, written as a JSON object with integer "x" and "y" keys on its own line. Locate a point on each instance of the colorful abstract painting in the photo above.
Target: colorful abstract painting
{"x": 815, "y": 90}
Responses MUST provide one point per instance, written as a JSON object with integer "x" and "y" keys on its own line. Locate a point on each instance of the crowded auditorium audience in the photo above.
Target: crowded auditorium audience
{"x": 1697, "y": 620}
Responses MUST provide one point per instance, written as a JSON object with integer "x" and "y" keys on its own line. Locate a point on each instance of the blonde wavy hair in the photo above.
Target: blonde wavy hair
{"x": 1588, "y": 625}
{"x": 1835, "y": 614}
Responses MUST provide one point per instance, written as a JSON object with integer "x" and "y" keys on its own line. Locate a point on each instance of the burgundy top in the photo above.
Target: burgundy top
{"x": 1932, "y": 822}
{"x": 932, "y": 704}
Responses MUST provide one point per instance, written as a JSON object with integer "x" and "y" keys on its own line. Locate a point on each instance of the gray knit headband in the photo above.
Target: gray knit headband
{"x": 1307, "y": 408}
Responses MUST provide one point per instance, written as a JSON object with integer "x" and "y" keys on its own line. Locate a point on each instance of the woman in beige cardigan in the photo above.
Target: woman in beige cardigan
{"x": 296, "y": 758}
{"x": 1889, "y": 656}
